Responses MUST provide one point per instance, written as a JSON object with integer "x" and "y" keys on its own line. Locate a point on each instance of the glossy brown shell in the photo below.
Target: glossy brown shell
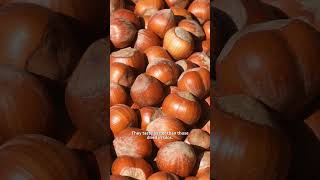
{"x": 306, "y": 9}
{"x": 87, "y": 93}
{"x": 39, "y": 157}
{"x": 25, "y": 105}
{"x": 276, "y": 62}
{"x": 91, "y": 14}
{"x": 247, "y": 142}
{"x": 246, "y": 12}
{"x": 42, "y": 42}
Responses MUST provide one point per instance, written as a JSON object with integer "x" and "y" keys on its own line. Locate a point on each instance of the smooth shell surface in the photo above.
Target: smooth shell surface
{"x": 253, "y": 146}
{"x": 90, "y": 14}
{"x": 42, "y": 42}
{"x": 87, "y": 92}
{"x": 39, "y": 157}
{"x": 25, "y": 105}
{"x": 276, "y": 70}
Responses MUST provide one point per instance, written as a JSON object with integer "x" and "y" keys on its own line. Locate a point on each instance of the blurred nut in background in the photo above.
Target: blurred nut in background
{"x": 26, "y": 106}
{"x": 39, "y": 157}
{"x": 42, "y": 42}
{"x": 248, "y": 13}
{"x": 248, "y": 143}
{"x": 90, "y": 14}
{"x": 87, "y": 93}
{"x": 298, "y": 93}
{"x": 308, "y": 10}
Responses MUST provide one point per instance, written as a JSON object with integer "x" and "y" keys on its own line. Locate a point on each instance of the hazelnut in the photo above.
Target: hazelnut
{"x": 131, "y": 142}
{"x": 199, "y": 139}
{"x": 183, "y": 106}
{"x": 147, "y": 91}
{"x": 136, "y": 168}
{"x": 176, "y": 157}
{"x": 165, "y": 124}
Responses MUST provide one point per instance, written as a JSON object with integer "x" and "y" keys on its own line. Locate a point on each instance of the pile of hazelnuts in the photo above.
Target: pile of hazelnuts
{"x": 160, "y": 89}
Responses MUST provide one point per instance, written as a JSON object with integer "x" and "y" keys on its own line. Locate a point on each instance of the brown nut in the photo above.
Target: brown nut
{"x": 181, "y": 13}
{"x": 33, "y": 156}
{"x": 165, "y": 124}
{"x": 122, "y": 32}
{"x": 176, "y": 157}
{"x": 148, "y": 114}
{"x": 201, "y": 59}
{"x": 185, "y": 65}
{"x": 25, "y": 105}
{"x": 122, "y": 74}
{"x": 206, "y": 28}
{"x": 163, "y": 176}
{"x": 118, "y": 177}
{"x": 183, "y": 106}
{"x": 118, "y": 94}
{"x": 161, "y": 22}
{"x": 199, "y": 139}
{"x": 164, "y": 70}
{"x": 179, "y": 43}
{"x": 156, "y": 52}
{"x": 144, "y": 5}
{"x": 147, "y": 91}
{"x": 131, "y": 142}
{"x": 136, "y": 168}
{"x": 201, "y": 9}
{"x": 87, "y": 93}
{"x": 203, "y": 166}
{"x": 196, "y": 81}
{"x": 128, "y": 15}
{"x": 129, "y": 56}
{"x": 122, "y": 117}
{"x": 146, "y": 38}
{"x": 192, "y": 27}
{"x": 38, "y": 40}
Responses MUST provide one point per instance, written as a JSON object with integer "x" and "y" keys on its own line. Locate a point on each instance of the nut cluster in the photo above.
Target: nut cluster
{"x": 160, "y": 88}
